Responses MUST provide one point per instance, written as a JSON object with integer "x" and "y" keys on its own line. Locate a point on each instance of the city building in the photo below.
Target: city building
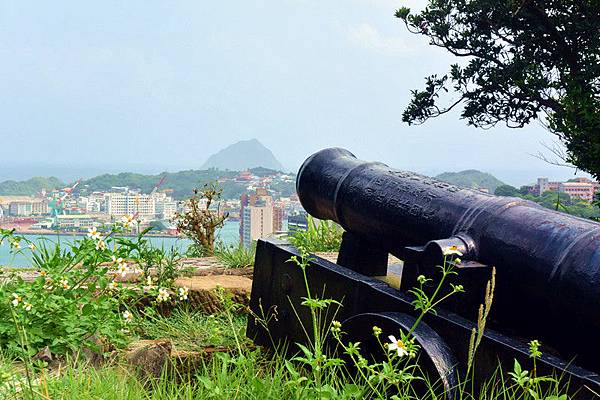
{"x": 28, "y": 208}
{"x": 77, "y": 222}
{"x": 257, "y": 222}
{"x": 165, "y": 206}
{"x": 578, "y": 188}
{"x": 297, "y": 221}
{"x": 543, "y": 185}
{"x": 260, "y": 199}
{"x": 146, "y": 206}
{"x": 129, "y": 203}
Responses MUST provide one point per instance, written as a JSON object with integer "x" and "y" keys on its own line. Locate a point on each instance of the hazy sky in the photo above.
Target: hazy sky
{"x": 159, "y": 85}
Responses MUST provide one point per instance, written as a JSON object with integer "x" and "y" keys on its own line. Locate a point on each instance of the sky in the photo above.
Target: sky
{"x": 150, "y": 86}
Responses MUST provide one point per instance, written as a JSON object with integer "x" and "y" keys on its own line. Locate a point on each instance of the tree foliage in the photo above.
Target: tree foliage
{"x": 524, "y": 60}
{"x": 507, "y": 190}
{"x": 30, "y": 186}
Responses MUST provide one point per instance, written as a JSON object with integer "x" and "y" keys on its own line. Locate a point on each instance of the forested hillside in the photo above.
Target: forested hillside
{"x": 30, "y": 186}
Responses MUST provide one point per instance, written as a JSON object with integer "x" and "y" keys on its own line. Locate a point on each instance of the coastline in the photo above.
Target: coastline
{"x": 63, "y": 233}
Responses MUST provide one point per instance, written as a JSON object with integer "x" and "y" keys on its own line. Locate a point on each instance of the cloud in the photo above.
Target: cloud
{"x": 367, "y": 36}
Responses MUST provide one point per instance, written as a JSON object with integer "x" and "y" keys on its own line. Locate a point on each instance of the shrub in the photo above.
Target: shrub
{"x": 74, "y": 303}
{"x": 199, "y": 222}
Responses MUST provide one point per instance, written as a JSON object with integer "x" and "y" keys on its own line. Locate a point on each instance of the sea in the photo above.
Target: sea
{"x": 229, "y": 235}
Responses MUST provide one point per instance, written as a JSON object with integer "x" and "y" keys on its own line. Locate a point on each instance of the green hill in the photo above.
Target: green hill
{"x": 472, "y": 178}
{"x": 182, "y": 183}
{"x": 30, "y": 186}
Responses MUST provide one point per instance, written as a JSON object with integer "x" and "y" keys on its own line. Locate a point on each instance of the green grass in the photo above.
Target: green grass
{"x": 190, "y": 330}
{"x": 321, "y": 236}
{"x": 249, "y": 374}
{"x": 235, "y": 256}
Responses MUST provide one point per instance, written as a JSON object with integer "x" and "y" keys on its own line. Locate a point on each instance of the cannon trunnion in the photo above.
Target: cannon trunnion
{"x": 547, "y": 268}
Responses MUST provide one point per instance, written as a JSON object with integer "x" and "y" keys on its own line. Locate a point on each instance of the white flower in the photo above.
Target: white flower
{"x": 122, "y": 269}
{"x": 16, "y": 244}
{"x": 64, "y": 283}
{"x": 163, "y": 295}
{"x": 121, "y": 265}
{"x": 452, "y": 250}
{"x": 100, "y": 245}
{"x": 127, "y": 220}
{"x": 27, "y": 306}
{"x": 397, "y": 345}
{"x": 183, "y": 293}
{"x": 32, "y": 247}
{"x": 48, "y": 283}
{"x": 16, "y": 299}
{"x": 112, "y": 285}
{"x": 149, "y": 280}
{"x": 94, "y": 234}
{"x": 127, "y": 316}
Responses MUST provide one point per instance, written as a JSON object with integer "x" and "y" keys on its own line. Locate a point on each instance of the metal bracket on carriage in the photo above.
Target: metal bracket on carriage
{"x": 423, "y": 260}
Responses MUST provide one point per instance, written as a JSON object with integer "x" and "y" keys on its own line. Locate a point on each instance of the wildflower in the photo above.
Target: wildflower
{"x": 534, "y": 349}
{"x": 397, "y": 345}
{"x": 127, "y": 220}
{"x": 457, "y": 288}
{"x": 32, "y": 247}
{"x": 452, "y": 251}
{"x": 43, "y": 273}
{"x": 16, "y": 245}
{"x": 65, "y": 284}
{"x": 376, "y": 331}
{"x": 121, "y": 265}
{"x": 16, "y": 299}
{"x": 127, "y": 316}
{"x": 100, "y": 245}
{"x": 336, "y": 327}
{"x": 183, "y": 293}
{"x": 94, "y": 234}
{"x": 149, "y": 280}
{"x": 112, "y": 285}
{"x": 163, "y": 295}
{"x": 48, "y": 284}
{"x": 421, "y": 279}
{"x": 122, "y": 269}
{"x": 27, "y": 306}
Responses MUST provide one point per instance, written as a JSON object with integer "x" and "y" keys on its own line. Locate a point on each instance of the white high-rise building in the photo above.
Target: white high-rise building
{"x": 128, "y": 203}
{"x": 258, "y": 223}
{"x": 146, "y": 206}
{"x": 165, "y": 206}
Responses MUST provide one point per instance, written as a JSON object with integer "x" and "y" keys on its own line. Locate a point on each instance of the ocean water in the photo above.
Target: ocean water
{"x": 229, "y": 234}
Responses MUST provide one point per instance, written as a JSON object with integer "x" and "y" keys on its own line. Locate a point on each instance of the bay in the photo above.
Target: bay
{"x": 229, "y": 235}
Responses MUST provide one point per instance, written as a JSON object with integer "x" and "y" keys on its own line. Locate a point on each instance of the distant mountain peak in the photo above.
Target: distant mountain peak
{"x": 243, "y": 155}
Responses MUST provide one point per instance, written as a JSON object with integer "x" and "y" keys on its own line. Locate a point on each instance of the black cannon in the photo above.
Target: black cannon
{"x": 547, "y": 268}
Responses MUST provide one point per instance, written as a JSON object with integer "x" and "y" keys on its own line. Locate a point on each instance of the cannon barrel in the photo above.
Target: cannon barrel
{"x": 547, "y": 262}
